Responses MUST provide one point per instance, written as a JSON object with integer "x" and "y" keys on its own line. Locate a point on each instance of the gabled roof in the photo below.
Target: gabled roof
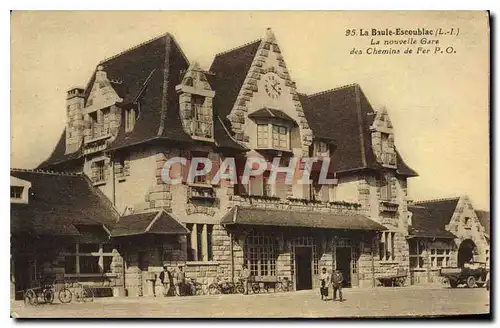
{"x": 345, "y": 115}
{"x": 484, "y": 219}
{"x": 59, "y": 204}
{"x": 155, "y": 222}
{"x": 230, "y": 68}
{"x": 147, "y": 73}
{"x": 429, "y": 218}
{"x": 288, "y": 218}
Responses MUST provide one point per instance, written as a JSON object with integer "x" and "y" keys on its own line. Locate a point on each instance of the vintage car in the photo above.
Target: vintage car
{"x": 471, "y": 274}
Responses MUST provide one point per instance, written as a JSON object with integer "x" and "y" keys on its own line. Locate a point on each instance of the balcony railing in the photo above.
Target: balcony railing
{"x": 296, "y": 204}
{"x": 201, "y": 128}
{"x": 98, "y": 132}
{"x": 389, "y": 159}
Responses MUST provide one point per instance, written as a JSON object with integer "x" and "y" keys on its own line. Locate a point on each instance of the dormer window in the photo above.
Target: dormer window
{"x": 130, "y": 118}
{"x": 201, "y": 124}
{"x": 16, "y": 192}
{"x": 273, "y": 136}
{"x": 321, "y": 149}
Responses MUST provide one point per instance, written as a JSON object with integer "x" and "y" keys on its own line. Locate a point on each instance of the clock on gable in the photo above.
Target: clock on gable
{"x": 273, "y": 85}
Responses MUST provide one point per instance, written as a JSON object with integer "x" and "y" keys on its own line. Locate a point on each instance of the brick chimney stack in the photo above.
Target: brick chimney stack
{"x": 74, "y": 122}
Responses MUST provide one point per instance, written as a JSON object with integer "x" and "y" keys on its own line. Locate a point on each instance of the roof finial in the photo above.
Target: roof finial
{"x": 270, "y": 36}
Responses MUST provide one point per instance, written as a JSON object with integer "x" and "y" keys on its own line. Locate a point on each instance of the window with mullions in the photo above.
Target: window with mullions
{"x": 280, "y": 136}
{"x": 88, "y": 258}
{"x": 261, "y": 254}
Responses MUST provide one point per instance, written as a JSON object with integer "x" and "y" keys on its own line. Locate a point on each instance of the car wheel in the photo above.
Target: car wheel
{"x": 471, "y": 282}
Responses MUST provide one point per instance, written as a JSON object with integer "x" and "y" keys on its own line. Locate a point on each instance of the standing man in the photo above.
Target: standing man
{"x": 337, "y": 280}
{"x": 180, "y": 280}
{"x": 165, "y": 280}
{"x": 324, "y": 279}
{"x": 245, "y": 277}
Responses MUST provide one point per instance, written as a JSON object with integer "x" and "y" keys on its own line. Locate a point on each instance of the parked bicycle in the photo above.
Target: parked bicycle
{"x": 81, "y": 292}
{"x": 284, "y": 285}
{"x": 221, "y": 287}
{"x": 42, "y": 293}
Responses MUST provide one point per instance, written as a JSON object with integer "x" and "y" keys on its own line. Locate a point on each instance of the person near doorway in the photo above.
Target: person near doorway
{"x": 180, "y": 281}
{"x": 245, "y": 278}
{"x": 324, "y": 281}
{"x": 165, "y": 280}
{"x": 337, "y": 280}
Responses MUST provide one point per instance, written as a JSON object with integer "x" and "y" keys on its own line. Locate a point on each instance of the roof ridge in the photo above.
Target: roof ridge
{"x": 135, "y": 47}
{"x": 46, "y": 172}
{"x": 331, "y": 90}
{"x": 238, "y": 47}
{"x": 435, "y": 200}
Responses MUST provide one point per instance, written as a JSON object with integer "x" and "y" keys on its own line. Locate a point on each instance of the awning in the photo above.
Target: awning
{"x": 271, "y": 113}
{"x": 155, "y": 222}
{"x": 286, "y": 218}
{"x": 426, "y": 233}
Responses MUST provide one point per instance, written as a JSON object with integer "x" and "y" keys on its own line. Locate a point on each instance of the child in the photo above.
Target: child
{"x": 324, "y": 284}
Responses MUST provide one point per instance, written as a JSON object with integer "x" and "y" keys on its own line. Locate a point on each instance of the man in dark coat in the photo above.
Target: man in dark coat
{"x": 165, "y": 280}
{"x": 337, "y": 280}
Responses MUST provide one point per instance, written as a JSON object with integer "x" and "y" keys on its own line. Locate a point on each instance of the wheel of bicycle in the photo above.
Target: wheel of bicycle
{"x": 198, "y": 289}
{"x": 213, "y": 289}
{"x": 29, "y": 297}
{"x": 48, "y": 295}
{"x": 279, "y": 287}
{"x": 85, "y": 293}
{"x": 65, "y": 295}
{"x": 240, "y": 289}
{"x": 256, "y": 288}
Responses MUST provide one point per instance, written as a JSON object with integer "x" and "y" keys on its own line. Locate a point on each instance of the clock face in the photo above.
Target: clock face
{"x": 272, "y": 84}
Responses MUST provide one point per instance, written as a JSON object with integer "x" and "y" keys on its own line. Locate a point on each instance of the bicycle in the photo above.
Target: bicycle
{"x": 239, "y": 287}
{"x": 221, "y": 287}
{"x": 194, "y": 287}
{"x": 82, "y": 293}
{"x": 42, "y": 293}
{"x": 284, "y": 285}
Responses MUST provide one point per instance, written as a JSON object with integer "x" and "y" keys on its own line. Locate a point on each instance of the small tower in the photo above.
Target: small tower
{"x": 74, "y": 121}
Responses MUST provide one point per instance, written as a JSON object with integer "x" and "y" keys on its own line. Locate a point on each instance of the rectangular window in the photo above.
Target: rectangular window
{"x": 130, "y": 119}
{"x": 88, "y": 258}
{"x": 386, "y": 189}
{"x": 386, "y": 246}
{"x": 16, "y": 192}
{"x": 200, "y": 242}
{"x": 440, "y": 257}
{"x": 321, "y": 149}
{"x": 201, "y": 117}
{"x": 280, "y": 137}
{"x": 100, "y": 171}
{"x": 262, "y": 135}
{"x": 261, "y": 254}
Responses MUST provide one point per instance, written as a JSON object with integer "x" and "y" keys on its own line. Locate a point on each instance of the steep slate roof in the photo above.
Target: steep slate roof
{"x": 59, "y": 204}
{"x": 272, "y": 217}
{"x": 156, "y": 222}
{"x": 149, "y": 72}
{"x": 429, "y": 218}
{"x": 484, "y": 219}
{"x": 230, "y": 68}
{"x": 345, "y": 115}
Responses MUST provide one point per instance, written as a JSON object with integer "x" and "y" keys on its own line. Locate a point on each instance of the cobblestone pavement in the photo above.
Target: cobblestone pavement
{"x": 409, "y": 301}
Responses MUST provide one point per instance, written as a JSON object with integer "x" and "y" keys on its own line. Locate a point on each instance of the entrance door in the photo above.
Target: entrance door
{"x": 303, "y": 267}
{"x": 343, "y": 263}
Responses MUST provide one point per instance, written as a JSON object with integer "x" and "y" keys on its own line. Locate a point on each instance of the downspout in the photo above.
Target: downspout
{"x": 113, "y": 186}
{"x": 232, "y": 256}
{"x": 373, "y": 261}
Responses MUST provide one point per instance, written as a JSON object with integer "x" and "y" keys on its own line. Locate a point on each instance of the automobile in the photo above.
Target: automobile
{"x": 471, "y": 274}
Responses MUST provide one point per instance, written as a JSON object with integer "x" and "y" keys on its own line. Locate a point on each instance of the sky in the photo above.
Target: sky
{"x": 438, "y": 104}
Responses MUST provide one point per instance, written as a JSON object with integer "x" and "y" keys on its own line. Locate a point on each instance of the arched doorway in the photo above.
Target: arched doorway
{"x": 466, "y": 252}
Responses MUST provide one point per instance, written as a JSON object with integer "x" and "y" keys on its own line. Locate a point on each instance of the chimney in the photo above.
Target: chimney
{"x": 74, "y": 122}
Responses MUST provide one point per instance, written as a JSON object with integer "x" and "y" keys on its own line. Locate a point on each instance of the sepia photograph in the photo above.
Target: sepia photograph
{"x": 250, "y": 164}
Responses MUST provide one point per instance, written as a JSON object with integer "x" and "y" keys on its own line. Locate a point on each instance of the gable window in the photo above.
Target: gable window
{"x": 16, "y": 192}
{"x": 279, "y": 135}
{"x": 130, "y": 118}
{"x": 199, "y": 247}
{"x": 468, "y": 223}
{"x": 201, "y": 117}
{"x": 262, "y": 135}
